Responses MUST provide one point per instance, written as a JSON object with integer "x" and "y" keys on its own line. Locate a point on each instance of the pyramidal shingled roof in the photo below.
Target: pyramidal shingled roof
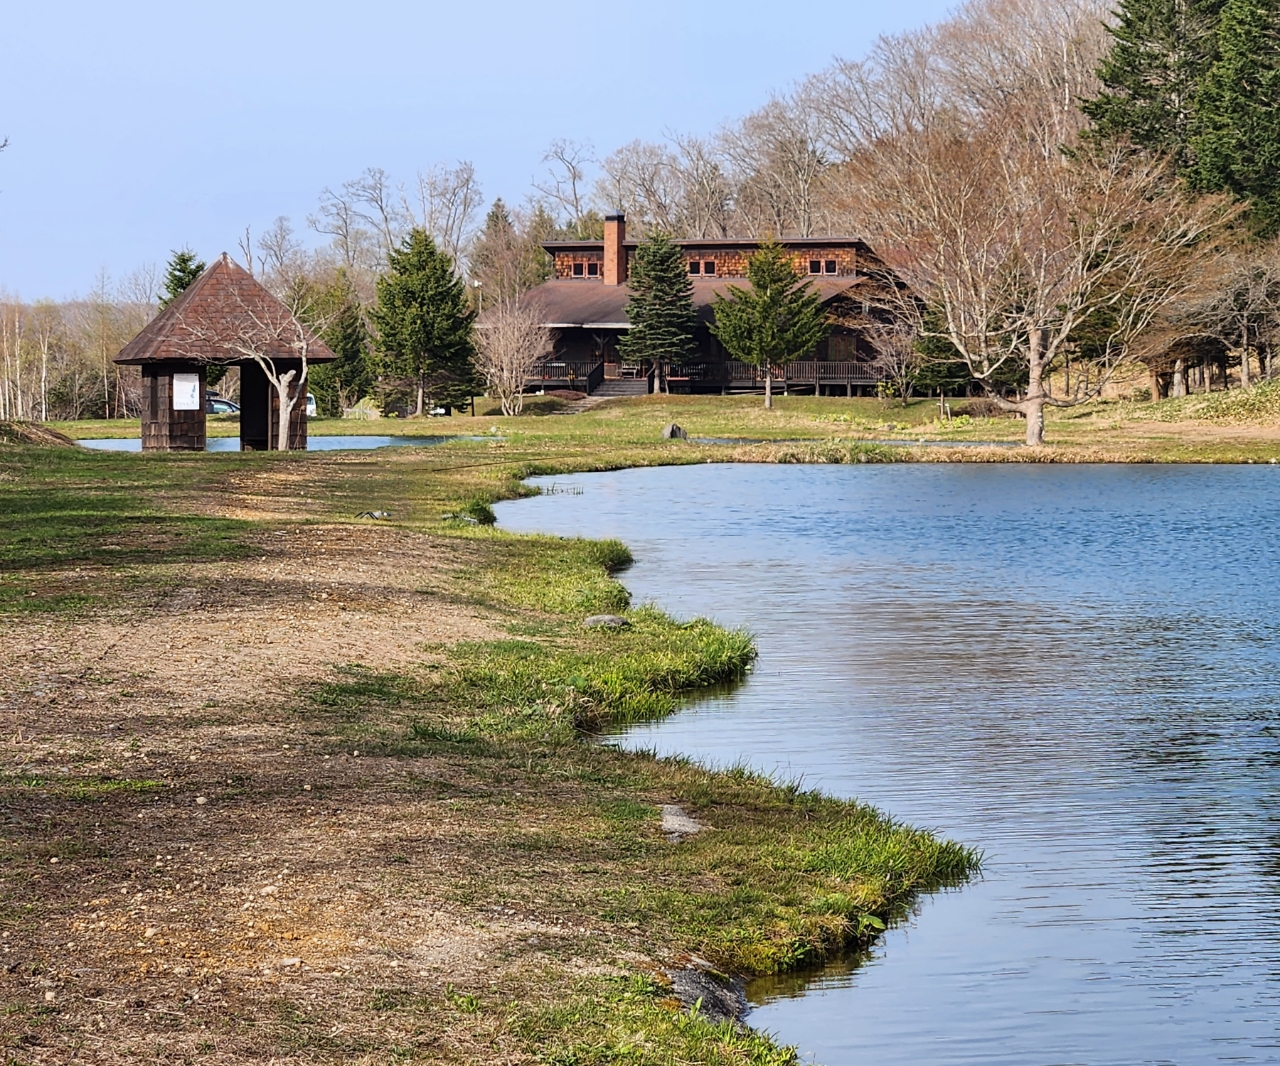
{"x": 223, "y": 304}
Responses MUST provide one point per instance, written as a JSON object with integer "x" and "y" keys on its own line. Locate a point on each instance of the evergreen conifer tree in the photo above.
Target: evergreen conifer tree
{"x": 423, "y": 321}
{"x": 1162, "y": 51}
{"x": 183, "y": 269}
{"x": 778, "y": 320}
{"x": 1235, "y": 137}
{"x": 660, "y": 310}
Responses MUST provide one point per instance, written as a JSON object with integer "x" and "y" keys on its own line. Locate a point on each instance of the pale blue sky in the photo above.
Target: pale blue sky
{"x": 140, "y": 126}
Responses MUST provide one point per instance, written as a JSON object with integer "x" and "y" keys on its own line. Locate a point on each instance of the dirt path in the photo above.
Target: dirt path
{"x": 189, "y": 868}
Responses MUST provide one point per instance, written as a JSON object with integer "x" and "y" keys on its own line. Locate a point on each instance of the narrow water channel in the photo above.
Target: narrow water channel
{"x": 1074, "y": 668}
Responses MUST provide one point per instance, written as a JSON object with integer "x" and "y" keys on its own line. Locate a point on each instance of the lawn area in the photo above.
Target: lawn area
{"x": 1236, "y": 426}
{"x": 284, "y": 783}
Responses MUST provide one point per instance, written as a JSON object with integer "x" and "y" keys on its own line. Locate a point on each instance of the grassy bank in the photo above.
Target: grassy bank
{"x": 1235, "y": 426}
{"x": 285, "y": 783}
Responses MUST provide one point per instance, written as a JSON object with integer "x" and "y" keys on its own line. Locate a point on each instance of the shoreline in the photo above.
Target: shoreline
{"x": 333, "y": 690}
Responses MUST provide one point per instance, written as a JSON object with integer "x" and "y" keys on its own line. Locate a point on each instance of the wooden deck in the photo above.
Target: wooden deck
{"x": 734, "y": 376}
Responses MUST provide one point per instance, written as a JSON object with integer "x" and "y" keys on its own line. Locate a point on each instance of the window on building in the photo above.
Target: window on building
{"x": 593, "y": 270}
{"x": 829, "y": 267}
{"x": 579, "y": 269}
{"x": 709, "y": 267}
{"x": 815, "y": 266}
{"x": 695, "y": 267}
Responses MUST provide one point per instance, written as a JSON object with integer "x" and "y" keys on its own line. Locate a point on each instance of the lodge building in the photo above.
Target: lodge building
{"x": 585, "y": 305}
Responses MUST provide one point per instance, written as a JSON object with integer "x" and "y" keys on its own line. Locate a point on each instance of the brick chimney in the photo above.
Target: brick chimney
{"x": 615, "y": 255}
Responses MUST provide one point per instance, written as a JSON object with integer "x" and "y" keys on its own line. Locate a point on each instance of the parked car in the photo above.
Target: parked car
{"x": 311, "y": 405}
{"x": 216, "y": 405}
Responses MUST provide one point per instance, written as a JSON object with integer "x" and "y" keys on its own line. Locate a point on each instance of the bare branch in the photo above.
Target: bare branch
{"x": 565, "y": 183}
{"x": 449, "y": 200}
{"x": 510, "y": 342}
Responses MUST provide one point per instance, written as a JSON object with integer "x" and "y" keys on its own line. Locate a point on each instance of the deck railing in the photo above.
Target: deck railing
{"x": 802, "y": 372}
{"x": 580, "y": 375}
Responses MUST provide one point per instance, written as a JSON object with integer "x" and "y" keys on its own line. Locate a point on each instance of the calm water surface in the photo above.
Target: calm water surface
{"x": 1073, "y": 668}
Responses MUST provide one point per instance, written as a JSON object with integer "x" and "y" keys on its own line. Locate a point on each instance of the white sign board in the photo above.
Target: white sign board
{"x": 186, "y": 392}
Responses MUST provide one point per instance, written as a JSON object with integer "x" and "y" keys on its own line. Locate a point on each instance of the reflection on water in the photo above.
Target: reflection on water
{"x": 1072, "y": 668}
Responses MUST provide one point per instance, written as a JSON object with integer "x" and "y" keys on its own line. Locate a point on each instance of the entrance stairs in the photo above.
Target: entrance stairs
{"x": 610, "y": 390}
{"x": 622, "y": 387}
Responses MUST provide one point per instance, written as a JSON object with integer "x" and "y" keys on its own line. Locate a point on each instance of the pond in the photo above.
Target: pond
{"x": 314, "y": 444}
{"x": 1074, "y": 668}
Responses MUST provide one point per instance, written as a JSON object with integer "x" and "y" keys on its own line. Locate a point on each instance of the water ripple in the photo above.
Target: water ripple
{"x": 1073, "y": 668}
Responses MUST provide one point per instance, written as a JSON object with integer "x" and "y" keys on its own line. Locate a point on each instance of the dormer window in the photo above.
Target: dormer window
{"x": 829, "y": 266}
{"x": 593, "y": 270}
{"x": 695, "y": 266}
{"x": 815, "y": 266}
{"x": 579, "y": 269}
{"x": 709, "y": 267}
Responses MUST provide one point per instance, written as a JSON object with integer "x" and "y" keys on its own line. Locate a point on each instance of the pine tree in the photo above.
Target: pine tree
{"x": 660, "y": 310}
{"x": 1235, "y": 137}
{"x": 423, "y": 320}
{"x": 778, "y": 320}
{"x": 183, "y": 269}
{"x": 1151, "y": 77}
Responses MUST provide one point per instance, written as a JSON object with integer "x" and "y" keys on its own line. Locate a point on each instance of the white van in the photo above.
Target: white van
{"x": 311, "y": 405}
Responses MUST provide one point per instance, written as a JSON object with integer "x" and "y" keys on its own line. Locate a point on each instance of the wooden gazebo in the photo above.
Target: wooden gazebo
{"x": 225, "y": 317}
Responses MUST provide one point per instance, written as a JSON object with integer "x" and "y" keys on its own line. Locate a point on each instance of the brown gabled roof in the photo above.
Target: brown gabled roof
{"x": 573, "y": 302}
{"x": 223, "y": 303}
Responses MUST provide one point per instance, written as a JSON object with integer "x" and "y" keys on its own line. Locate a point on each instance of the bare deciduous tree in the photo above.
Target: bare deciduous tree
{"x": 449, "y": 199}
{"x": 1015, "y": 244}
{"x": 565, "y": 184}
{"x": 897, "y": 355}
{"x": 779, "y": 161}
{"x": 642, "y": 181}
{"x": 510, "y": 342}
{"x": 380, "y": 205}
{"x": 245, "y": 244}
{"x": 1243, "y": 309}
{"x": 282, "y": 257}
{"x": 339, "y": 220}
{"x": 706, "y": 193}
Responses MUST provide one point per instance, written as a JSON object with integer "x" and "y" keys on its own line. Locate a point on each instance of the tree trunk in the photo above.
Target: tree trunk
{"x": 1033, "y": 405}
{"x": 421, "y": 392}
{"x": 1178, "y": 387}
{"x": 1244, "y": 368}
{"x": 768, "y": 385}
{"x": 1205, "y": 372}
{"x": 287, "y": 402}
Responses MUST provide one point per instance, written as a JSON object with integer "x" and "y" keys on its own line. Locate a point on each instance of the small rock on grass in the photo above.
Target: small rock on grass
{"x": 677, "y": 824}
{"x": 606, "y": 621}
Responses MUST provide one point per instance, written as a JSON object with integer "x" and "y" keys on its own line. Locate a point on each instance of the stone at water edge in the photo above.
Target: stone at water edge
{"x": 719, "y": 998}
{"x": 606, "y": 621}
{"x": 673, "y": 432}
